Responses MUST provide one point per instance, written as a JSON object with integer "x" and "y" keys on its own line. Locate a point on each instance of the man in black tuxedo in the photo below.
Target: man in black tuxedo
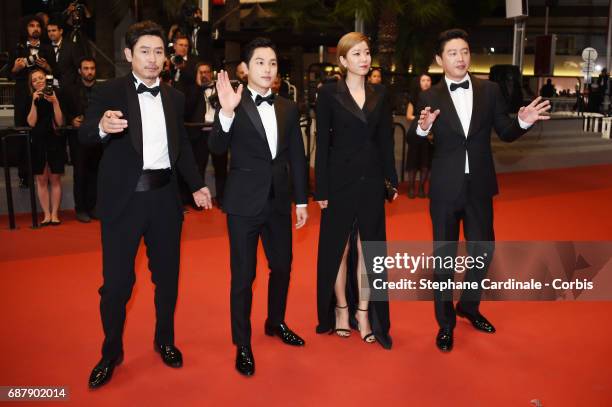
{"x": 262, "y": 132}
{"x": 66, "y": 56}
{"x": 140, "y": 124}
{"x": 461, "y": 111}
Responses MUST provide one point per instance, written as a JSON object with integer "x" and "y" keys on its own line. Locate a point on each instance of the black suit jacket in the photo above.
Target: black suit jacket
{"x": 252, "y": 170}
{"x": 489, "y": 112}
{"x": 353, "y": 142}
{"x": 122, "y": 161}
{"x": 67, "y": 65}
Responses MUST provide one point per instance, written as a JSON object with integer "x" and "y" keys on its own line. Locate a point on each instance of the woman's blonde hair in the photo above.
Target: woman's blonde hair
{"x": 347, "y": 42}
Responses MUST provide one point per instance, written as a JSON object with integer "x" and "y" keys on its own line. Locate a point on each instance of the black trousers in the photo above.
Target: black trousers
{"x": 156, "y": 216}
{"x": 476, "y": 213}
{"x": 85, "y": 161}
{"x": 244, "y": 232}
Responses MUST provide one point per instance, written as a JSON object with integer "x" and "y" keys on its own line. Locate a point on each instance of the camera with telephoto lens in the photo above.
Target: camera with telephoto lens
{"x": 176, "y": 59}
{"x": 48, "y": 90}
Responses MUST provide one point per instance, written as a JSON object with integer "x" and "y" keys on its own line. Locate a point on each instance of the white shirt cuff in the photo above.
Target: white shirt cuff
{"x": 226, "y": 122}
{"x": 524, "y": 125}
{"x": 301, "y": 205}
{"x": 421, "y": 132}
{"x": 101, "y": 132}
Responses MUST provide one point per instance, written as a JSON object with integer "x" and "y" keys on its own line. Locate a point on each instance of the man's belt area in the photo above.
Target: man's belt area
{"x": 153, "y": 179}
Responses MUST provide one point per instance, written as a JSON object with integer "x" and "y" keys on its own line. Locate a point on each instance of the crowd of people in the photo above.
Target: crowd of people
{"x": 139, "y": 120}
{"x": 146, "y": 138}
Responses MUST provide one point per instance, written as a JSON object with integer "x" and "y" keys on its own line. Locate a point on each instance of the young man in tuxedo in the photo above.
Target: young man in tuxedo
{"x": 263, "y": 135}
{"x": 140, "y": 124}
{"x": 461, "y": 111}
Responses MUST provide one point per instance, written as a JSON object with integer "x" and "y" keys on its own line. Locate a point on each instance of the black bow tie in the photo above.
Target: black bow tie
{"x": 143, "y": 88}
{"x": 465, "y": 85}
{"x": 260, "y": 99}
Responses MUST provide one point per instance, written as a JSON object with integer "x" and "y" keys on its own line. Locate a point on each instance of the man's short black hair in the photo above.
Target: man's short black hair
{"x": 137, "y": 30}
{"x": 448, "y": 35}
{"x": 87, "y": 59}
{"x": 56, "y": 21}
{"x": 259, "y": 42}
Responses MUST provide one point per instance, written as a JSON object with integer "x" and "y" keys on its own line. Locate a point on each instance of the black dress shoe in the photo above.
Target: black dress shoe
{"x": 287, "y": 335}
{"x": 444, "y": 339}
{"x": 245, "y": 362}
{"x": 83, "y": 217}
{"x": 103, "y": 371}
{"x": 170, "y": 355}
{"x": 478, "y": 321}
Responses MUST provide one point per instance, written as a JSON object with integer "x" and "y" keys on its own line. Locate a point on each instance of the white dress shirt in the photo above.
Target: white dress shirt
{"x": 463, "y": 100}
{"x": 268, "y": 118}
{"x": 154, "y": 137}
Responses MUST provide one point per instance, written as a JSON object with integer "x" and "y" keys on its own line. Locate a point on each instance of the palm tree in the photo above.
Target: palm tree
{"x": 395, "y": 18}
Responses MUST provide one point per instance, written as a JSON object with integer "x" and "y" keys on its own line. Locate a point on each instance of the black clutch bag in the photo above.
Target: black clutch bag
{"x": 390, "y": 191}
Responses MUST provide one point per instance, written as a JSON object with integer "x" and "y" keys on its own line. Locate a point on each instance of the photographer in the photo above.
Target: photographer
{"x": 29, "y": 54}
{"x": 48, "y": 145}
{"x": 78, "y": 19}
{"x": 182, "y": 67}
{"x": 85, "y": 159}
{"x": 201, "y": 101}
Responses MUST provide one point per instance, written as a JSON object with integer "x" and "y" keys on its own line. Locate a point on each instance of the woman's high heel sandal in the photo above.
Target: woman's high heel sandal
{"x": 369, "y": 338}
{"x": 341, "y": 332}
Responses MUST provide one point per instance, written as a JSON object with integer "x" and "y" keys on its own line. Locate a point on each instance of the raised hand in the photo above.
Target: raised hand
{"x": 534, "y": 111}
{"x": 323, "y": 204}
{"x": 228, "y": 97}
{"x": 427, "y": 118}
{"x": 202, "y": 198}
{"x": 112, "y": 122}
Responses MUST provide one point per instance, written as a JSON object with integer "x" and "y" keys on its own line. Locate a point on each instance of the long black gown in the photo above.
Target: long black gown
{"x": 354, "y": 156}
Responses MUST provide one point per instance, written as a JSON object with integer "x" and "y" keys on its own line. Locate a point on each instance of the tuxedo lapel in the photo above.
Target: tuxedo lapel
{"x": 478, "y": 102}
{"x": 249, "y": 107}
{"x": 372, "y": 99}
{"x": 343, "y": 95}
{"x": 447, "y": 108}
{"x": 134, "y": 119}
{"x": 281, "y": 120}
{"x": 171, "y": 124}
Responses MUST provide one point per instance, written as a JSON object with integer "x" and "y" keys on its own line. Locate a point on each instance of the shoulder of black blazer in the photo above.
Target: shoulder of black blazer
{"x": 375, "y": 94}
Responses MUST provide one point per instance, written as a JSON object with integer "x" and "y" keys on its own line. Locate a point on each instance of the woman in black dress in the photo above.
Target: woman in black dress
{"x": 354, "y": 157}
{"x": 48, "y": 146}
{"x": 420, "y": 151}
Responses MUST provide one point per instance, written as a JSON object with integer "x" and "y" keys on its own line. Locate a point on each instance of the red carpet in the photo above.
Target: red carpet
{"x": 558, "y": 353}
